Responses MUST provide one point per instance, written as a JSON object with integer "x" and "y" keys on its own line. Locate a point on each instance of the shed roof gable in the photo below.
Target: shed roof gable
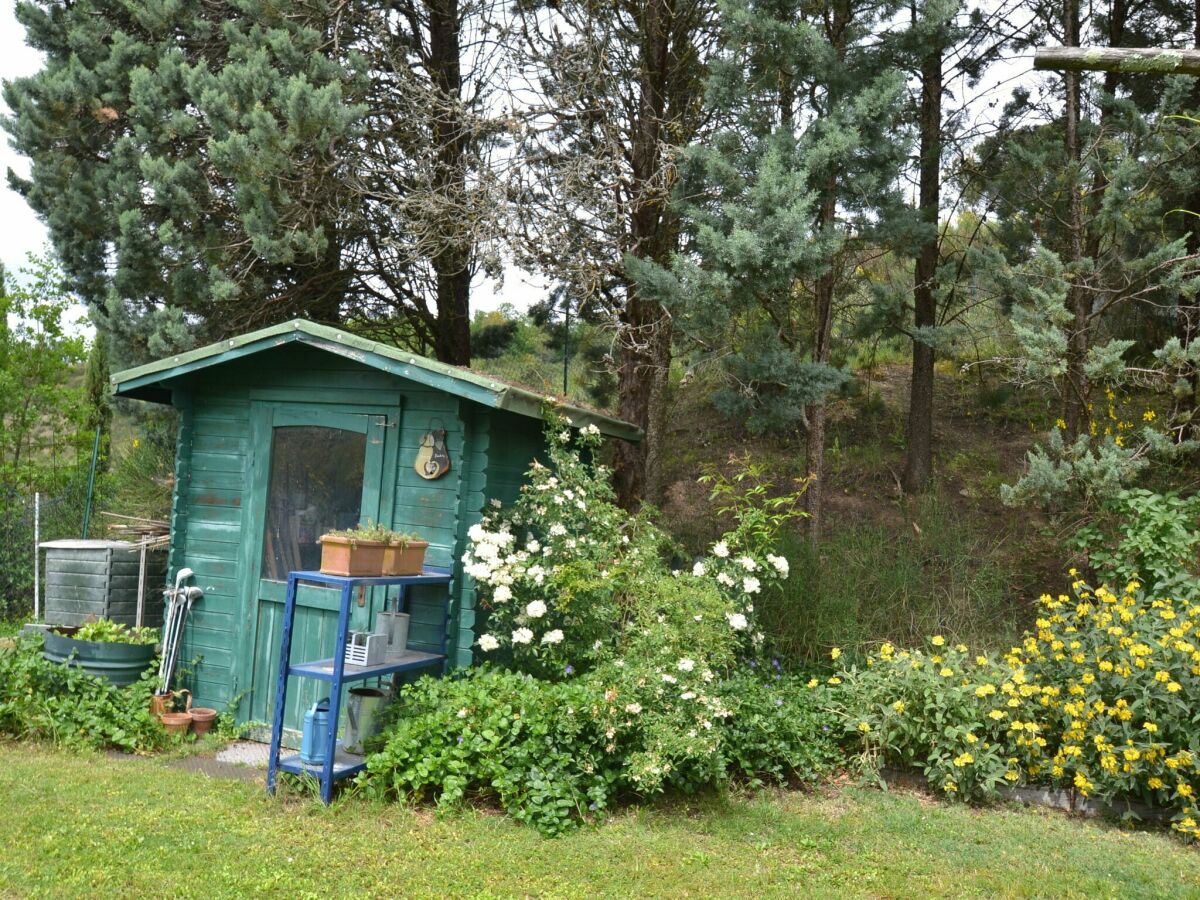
{"x": 146, "y": 382}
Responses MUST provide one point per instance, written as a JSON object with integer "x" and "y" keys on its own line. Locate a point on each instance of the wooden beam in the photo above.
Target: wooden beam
{"x": 1118, "y": 59}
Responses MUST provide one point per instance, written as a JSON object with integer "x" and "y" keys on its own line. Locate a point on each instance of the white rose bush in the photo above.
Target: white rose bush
{"x": 606, "y": 670}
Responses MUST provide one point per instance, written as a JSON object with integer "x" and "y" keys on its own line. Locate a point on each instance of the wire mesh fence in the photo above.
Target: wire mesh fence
{"x": 60, "y": 515}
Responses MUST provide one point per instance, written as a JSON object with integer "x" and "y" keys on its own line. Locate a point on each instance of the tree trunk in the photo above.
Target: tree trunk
{"x": 452, "y": 262}
{"x": 1185, "y": 323}
{"x": 645, "y": 327}
{"x": 1075, "y": 387}
{"x": 1126, "y": 60}
{"x": 641, "y": 387}
{"x": 918, "y": 464}
{"x": 822, "y": 343}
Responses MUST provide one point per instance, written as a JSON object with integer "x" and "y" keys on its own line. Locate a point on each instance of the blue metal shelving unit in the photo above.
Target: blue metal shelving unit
{"x": 339, "y": 764}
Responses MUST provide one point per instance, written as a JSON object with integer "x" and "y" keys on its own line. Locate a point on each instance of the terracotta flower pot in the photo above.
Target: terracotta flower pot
{"x": 177, "y": 723}
{"x": 405, "y": 559}
{"x": 202, "y": 719}
{"x": 351, "y": 556}
{"x": 164, "y": 703}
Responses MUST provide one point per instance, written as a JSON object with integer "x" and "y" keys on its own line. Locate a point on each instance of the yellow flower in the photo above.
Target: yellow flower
{"x": 1174, "y": 687}
{"x": 1155, "y": 784}
{"x": 1149, "y": 415}
{"x": 898, "y": 706}
{"x": 835, "y": 653}
{"x": 964, "y": 760}
{"x": 996, "y": 714}
{"x": 136, "y": 443}
{"x": 1061, "y": 424}
{"x": 812, "y": 682}
{"x": 937, "y": 640}
{"x": 864, "y": 727}
{"x": 835, "y": 680}
{"x": 970, "y": 739}
{"x": 1150, "y": 727}
{"x": 946, "y": 673}
{"x": 1185, "y": 789}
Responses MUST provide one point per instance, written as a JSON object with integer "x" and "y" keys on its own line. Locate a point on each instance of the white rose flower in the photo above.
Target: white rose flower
{"x": 747, "y": 563}
{"x": 553, "y": 637}
{"x": 522, "y": 636}
{"x": 688, "y": 695}
{"x": 488, "y": 643}
{"x": 669, "y": 679}
{"x": 685, "y": 665}
{"x": 487, "y": 551}
{"x": 476, "y": 533}
{"x": 564, "y": 435}
{"x": 536, "y": 609}
{"x": 590, "y": 429}
{"x": 558, "y": 529}
{"x": 496, "y": 504}
{"x": 698, "y": 569}
{"x": 502, "y": 594}
{"x": 533, "y": 546}
{"x": 721, "y": 550}
{"x": 634, "y": 708}
{"x": 724, "y": 579}
{"x": 736, "y": 621}
{"x": 750, "y": 585}
{"x": 780, "y": 564}
{"x": 462, "y": 713}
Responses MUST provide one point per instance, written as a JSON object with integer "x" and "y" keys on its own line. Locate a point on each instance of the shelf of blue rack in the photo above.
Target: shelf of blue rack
{"x": 344, "y": 764}
{"x": 323, "y": 668}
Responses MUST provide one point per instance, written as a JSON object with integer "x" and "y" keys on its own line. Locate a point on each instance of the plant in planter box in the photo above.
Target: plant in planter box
{"x": 106, "y": 649}
{"x": 372, "y": 550}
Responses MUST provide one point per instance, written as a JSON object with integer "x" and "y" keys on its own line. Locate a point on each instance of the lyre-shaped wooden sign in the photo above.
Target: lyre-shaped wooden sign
{"x": 432, "y": 459}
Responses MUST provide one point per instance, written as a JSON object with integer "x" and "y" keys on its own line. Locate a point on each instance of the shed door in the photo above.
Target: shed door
{"x": 324, "y": 472}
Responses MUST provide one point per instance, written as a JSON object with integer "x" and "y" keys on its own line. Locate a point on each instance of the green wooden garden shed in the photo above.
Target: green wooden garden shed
{"x": 297, "y": 429}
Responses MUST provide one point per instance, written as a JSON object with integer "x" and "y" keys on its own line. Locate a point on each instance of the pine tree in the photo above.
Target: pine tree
{"x": 613, "y": 86}
{"x": 781, "y": 204}
{"x": 243, "y": 163}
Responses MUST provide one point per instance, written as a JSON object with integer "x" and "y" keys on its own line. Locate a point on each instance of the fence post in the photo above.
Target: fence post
{"x": 37, "y": 555}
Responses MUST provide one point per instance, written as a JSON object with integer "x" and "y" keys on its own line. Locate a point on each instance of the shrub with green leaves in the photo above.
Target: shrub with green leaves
{"x": 1143, "y": 536}
{"x": 44, "y": 700}
{"x": 555, "y": 753}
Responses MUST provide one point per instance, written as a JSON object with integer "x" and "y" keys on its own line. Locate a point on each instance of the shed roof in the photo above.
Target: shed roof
{"x": 147, "y": 382}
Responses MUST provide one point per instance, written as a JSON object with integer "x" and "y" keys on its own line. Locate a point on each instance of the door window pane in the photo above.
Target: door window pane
{"x": 316, "y": 486}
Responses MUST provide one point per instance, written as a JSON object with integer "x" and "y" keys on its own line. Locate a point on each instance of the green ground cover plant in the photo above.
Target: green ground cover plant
{"x": 61, "y": 704}
{"x": 555, "y": 753}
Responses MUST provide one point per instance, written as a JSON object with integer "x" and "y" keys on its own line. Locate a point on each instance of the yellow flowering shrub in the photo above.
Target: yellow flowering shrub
{"x": 1103, "y": 697}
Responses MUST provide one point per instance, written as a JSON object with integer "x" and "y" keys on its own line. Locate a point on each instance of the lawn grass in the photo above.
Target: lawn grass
{"x": 93, "y": 825}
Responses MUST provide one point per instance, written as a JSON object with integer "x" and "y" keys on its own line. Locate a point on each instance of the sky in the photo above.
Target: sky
{"x": 20, "y": 231}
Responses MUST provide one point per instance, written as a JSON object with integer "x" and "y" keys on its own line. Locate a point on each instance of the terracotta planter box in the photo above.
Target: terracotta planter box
{"x": 355, "y": 557}
{"x": 350, "y": 556}
{"x": 407, "y": 559}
